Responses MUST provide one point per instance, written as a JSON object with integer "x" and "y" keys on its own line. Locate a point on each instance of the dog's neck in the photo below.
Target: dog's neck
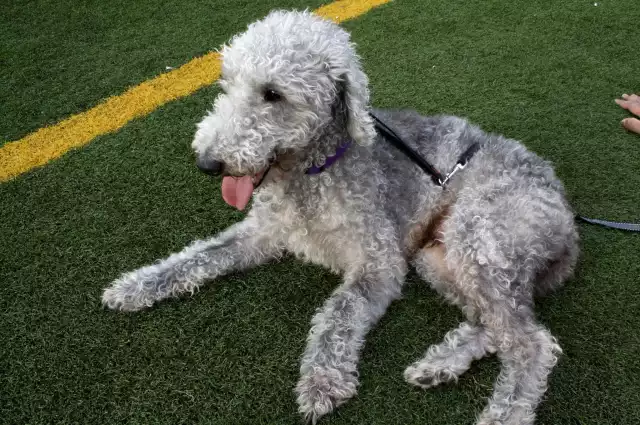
{"x": 326, "y": 144}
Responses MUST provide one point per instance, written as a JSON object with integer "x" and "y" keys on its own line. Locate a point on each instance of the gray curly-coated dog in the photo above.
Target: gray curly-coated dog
{"x": 500, "y": 234}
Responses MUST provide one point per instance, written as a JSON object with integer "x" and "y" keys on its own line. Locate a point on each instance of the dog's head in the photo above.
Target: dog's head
{"x": 283, "y": 81}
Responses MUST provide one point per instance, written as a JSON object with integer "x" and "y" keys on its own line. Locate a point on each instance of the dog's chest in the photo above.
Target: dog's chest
{"x": 323, "y": 235}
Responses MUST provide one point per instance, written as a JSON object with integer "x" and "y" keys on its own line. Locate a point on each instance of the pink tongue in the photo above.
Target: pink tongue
{"x": 236, "y": 191}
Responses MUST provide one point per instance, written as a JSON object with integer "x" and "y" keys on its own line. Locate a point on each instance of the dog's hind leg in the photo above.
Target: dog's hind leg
{"x": 528, "y": 352}
{"x": 501, "y": 320}
{"x": 445, "y": 362}
{"x": 499, "y": 250}
{"x": 329, "y": 365}
{"x": 239, "y": 247}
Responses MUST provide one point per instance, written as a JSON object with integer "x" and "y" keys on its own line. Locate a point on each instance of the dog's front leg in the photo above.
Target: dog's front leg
{"x": 242, "y": 245}
{"x": 328, "y": 369}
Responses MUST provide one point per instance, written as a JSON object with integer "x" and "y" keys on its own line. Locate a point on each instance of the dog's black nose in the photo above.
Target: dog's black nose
{"x": 212, "y": 168}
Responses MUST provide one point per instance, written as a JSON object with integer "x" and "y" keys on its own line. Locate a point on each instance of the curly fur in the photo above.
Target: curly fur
{"x": 499, "y": 235}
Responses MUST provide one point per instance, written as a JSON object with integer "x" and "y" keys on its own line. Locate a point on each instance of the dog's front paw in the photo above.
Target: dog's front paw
{"x": 128, "y": 293}
{"x": 322, "y": 390}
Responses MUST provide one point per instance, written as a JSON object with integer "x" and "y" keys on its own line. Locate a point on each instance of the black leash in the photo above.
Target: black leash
{"x": 396, "y": 141}
{"x": 442, "y": 180}
{"x": 436, "y": 176}
{"x": 630, "y": 227}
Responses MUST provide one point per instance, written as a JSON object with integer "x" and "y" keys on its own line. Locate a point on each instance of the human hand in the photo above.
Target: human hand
{"x": 632, "y": 104}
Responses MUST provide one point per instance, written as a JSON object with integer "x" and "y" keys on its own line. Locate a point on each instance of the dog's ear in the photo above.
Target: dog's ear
{"x": 353, "y": 90}
{"x": 359, "y": 122}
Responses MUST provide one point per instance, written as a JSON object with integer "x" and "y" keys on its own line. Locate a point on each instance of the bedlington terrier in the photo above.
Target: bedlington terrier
{"x": 292, "y": 133}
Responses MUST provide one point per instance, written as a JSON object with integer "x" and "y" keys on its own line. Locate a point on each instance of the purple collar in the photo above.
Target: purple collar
{"x": 330, "y": 160}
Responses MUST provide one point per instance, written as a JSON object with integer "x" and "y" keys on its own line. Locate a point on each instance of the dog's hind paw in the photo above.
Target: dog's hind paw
{"x": 423, "y": 375}
{"x": 322, "y": 390}
{"x": 511, "y": 415}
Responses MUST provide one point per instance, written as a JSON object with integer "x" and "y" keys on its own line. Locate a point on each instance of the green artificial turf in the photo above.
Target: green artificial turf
{"x": 60, "y": 57}
{"x": 544, "y": 72}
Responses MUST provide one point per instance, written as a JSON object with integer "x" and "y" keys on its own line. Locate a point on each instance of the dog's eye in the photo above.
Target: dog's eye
{"x": 271, "y": 95}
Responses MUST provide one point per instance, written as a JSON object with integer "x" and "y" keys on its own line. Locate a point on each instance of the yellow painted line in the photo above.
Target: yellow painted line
{"x": 342, "y": 10}
{"x": 48, "y": 143}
